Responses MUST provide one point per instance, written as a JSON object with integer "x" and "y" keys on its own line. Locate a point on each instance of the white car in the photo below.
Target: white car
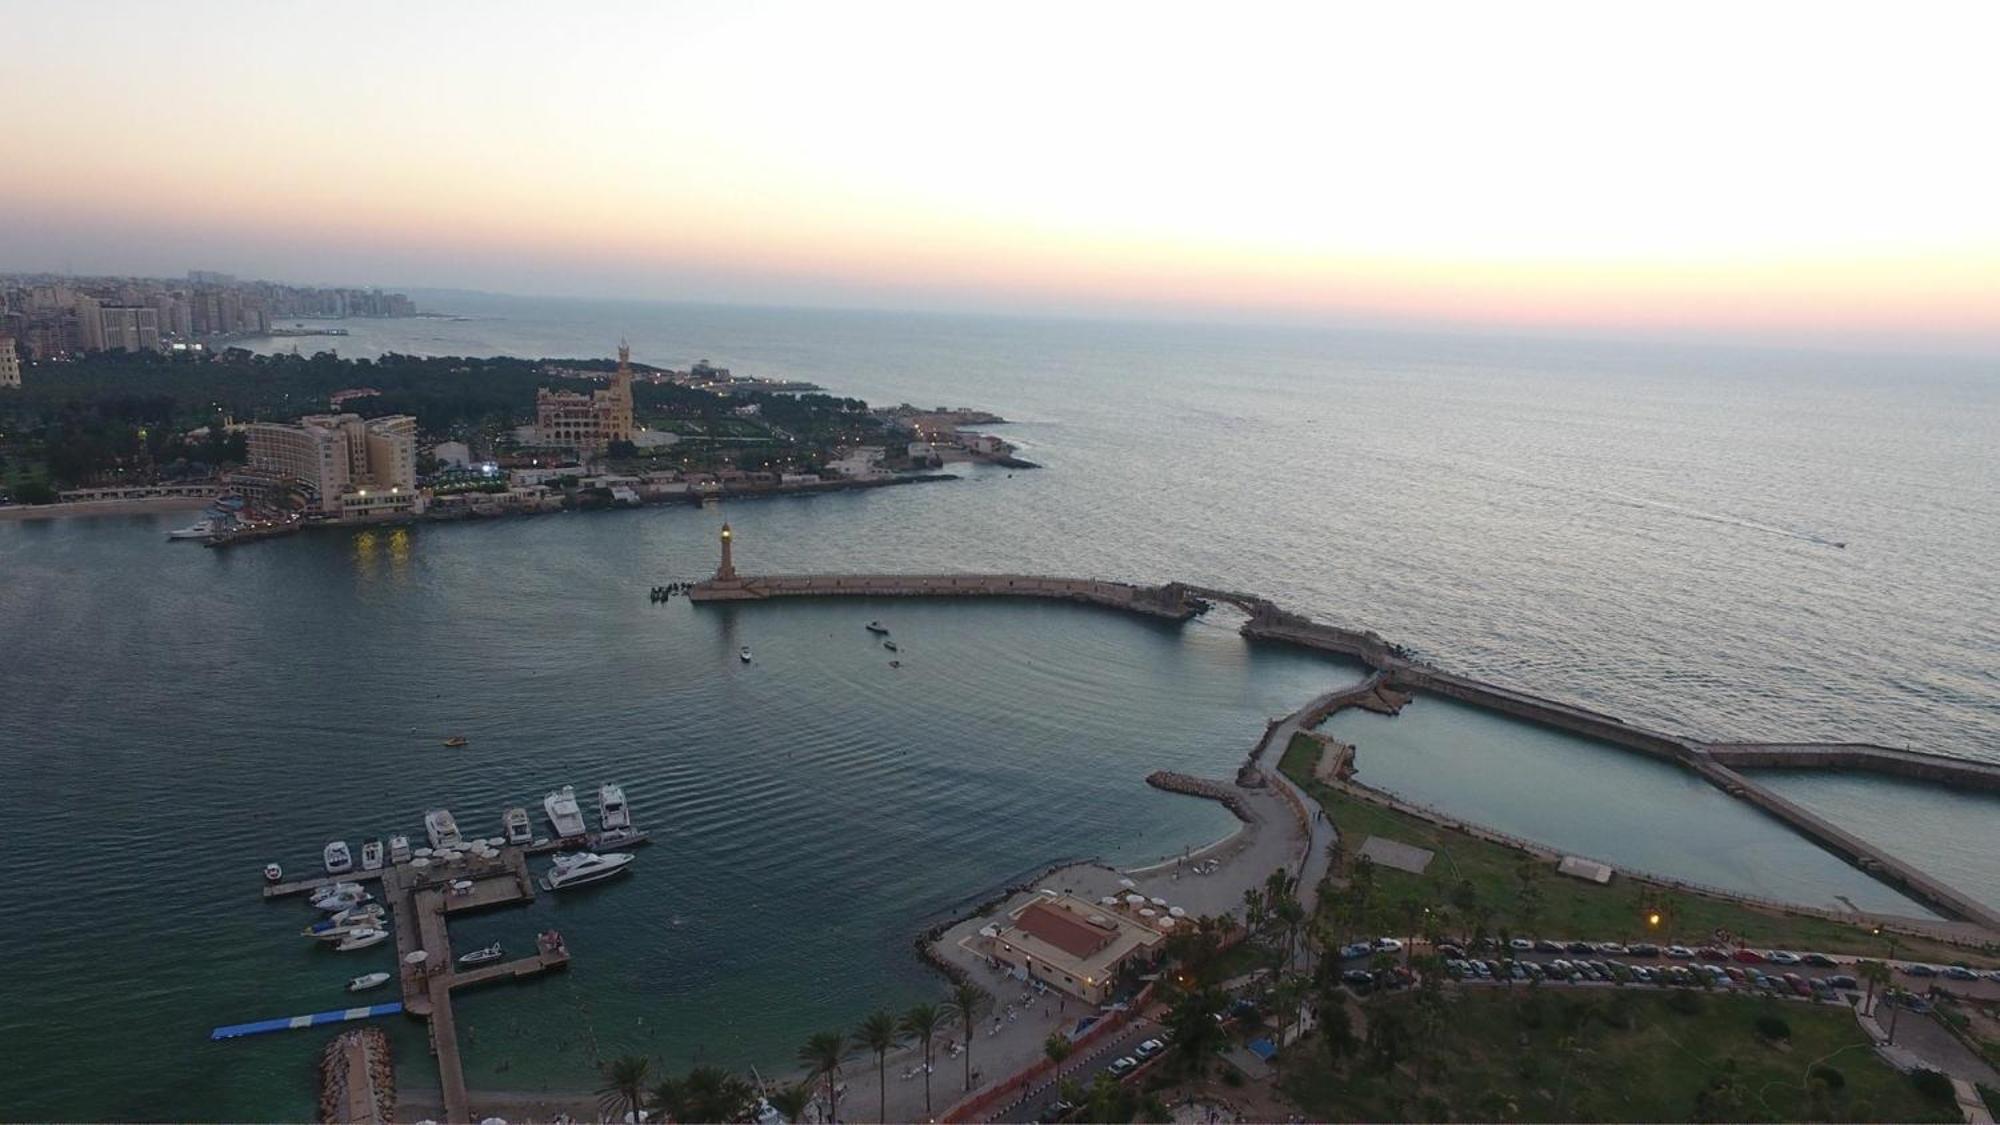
{"x": 1387, "y": 945}
{"x": 1521, "y": 943}
{"x": 1780, "y": 957}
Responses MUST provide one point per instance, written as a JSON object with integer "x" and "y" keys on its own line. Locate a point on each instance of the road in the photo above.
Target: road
{"x": 1085, "y": 1068}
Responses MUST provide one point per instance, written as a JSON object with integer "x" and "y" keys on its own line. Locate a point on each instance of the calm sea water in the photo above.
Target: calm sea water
{"x": 1646, "y": 531}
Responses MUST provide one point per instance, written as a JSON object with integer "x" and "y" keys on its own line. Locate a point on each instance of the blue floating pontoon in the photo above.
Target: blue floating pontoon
{"x": 238, "y": 1030}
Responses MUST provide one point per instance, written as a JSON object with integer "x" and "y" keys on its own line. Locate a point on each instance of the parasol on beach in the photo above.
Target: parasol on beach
{"x": 1166, "y": 923}
{"x": 1147, "y": 912}
{"x": 1127, "y": 883}
{"x": 1135, "y": 900}
{"x": 418, "y": 957}
{"x": 989, "y": 931}
{"x": 1109, "y": 900}
{"x": 1177, "y": 911}
{"x": 1157, "y": 901}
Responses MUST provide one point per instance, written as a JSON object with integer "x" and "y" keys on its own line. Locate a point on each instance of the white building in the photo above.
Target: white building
{"x": 455, "y": 454}
{"x": 351, "y": 468}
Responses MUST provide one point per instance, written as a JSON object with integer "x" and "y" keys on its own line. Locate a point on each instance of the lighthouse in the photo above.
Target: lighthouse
{"x": 727, "y": 571}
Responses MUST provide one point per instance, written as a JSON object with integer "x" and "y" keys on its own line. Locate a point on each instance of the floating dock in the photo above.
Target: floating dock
{"x": 295, "y": 1023}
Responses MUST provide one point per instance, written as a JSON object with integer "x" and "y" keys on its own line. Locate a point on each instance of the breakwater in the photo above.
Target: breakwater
{"x": 1401, "y": 674}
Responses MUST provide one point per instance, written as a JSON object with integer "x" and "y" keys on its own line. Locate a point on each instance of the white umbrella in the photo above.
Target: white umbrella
{"x": 989, "y": 931}
{"x": 1159, "y": 902}
{"x": 418, "y": 957}
{"x": 1166, "y": 923}
{"x": 1136, "y": 900}
{"x": 1127, "y": 883}
{"x": 1097, "y": 918}
{"x": 1109, "y": 900}
{"x": 1147, "y": 912}
{"x": 1177, "y": 911}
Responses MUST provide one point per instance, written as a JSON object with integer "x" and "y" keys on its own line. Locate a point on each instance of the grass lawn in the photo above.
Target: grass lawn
{"x": 1626, "y": 1055}
{"x": 1566, "y": 908}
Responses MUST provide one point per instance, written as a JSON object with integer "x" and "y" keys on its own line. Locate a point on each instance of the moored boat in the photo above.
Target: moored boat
{"x": 743, "y": 654}
{"x": 339, "y": 861}
{"x": 361, "y": 939}
{"x": 891, "y": 646}
{"x": 564, "y": 814}
{"x": 516, "y": 826}
{"x": 366, "y": 981}
{"x": 612, "y": 811}
{"x": 399, "y": 849}
{"x": 579, "y": 868}
{"x": 371, "y": 856}
{"x": 877, "y": 628}
{"x": 481, "y": 956}
{"x": 456, "y": 741}
{"x": 273, "y": 873}
{"x": 442, "y": 829}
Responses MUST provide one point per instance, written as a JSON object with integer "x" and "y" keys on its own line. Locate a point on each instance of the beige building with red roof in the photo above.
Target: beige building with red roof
{"x": 1073, "y": 945}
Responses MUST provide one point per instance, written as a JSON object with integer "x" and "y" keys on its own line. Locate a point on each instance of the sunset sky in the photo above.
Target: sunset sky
{"x": 1768, "y": 169}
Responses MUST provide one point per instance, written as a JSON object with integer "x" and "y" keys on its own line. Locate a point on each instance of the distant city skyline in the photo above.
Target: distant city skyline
{"x": 1783, "y": 173}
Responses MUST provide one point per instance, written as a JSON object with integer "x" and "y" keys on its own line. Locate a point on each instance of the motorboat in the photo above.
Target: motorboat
{"x": 359, "y": 913}
{"x": 743, "y": 654}
{"x": 273, "y": 873}
{"x": 481, "y": 956}
{"x": 456, "y": 741}
{"x": 399, "y": 849}
{"x": 346, "y": 900}
{"x": 617, "y": 838}
{"x": 331, "y": 930}
{"x": 564, "y": 814}
{"x": 891, "y": 646}
{"x": 517, "y": 827}
{"x": 371, "y": 856}
{"x": 200, "y": 529}
{"x": 361, "y": 939}
{"x": 332, "y": 890}
{"x": 442, "y": 829}
{"x": 877, "y": 628}
{"x": 612, "y": 811}
{"x": 339, "y": 861}
{"x": 579, "y": 868}
{"x": 366, "y": 981}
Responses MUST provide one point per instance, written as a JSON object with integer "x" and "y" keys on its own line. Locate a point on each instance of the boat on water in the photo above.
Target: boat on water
{"x": 616, "y": 838}
{"x": 371, "y": 856}
{"x": 359, "y": 913}
{"x": 743, "y": 654}
{"x": 334, "y": 890}
{"x": 346, "y": 900}
{"x": 273, "y": 873}
{"x": 456, "y": 741}
{"x": 877, "y": 628}
{"x": 331, "y": 930}
{"x": 516, "y": 826}
{"x": 577, "y": 869}
{"x": 612, "y": 811}
{"x": 564, "y": 814}
{"x": 481, "y": 956}
{"x": 891, "y": 646}
{"x": 366, "y": 981}
{"x": 339, "y": 861}
{"x": 361, "y": 939}
{"x": 200, "y": 529}
{"x": 442, "y": 829}
{"x": 399, "y": 849}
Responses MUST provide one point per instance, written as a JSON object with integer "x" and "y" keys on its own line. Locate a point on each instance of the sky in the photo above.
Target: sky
{"x": 1820, "y": 172}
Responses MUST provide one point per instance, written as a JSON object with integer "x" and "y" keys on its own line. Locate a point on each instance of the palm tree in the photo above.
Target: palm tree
{"x": 821, "y": 1056}
{"x": 713, "y": 1094}
{"x": 1057, "y": 1047}
{"x": 923, "y": 1022}
{"x": 878, "y": 1034}
{"x": 791, "y": 1100}
{"x": 1874, "y": 972}
{"x": 967, "y": 1001}
{"x": 624, "y": 1089}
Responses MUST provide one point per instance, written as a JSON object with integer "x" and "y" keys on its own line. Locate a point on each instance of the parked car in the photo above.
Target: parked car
{"x": 1122, "y": 1066}
{"x": 1446, "y": 949}
{"x": 1748, "y": 956}
{"x": 1680, "y": 952}
{"x": 1711, "y": 953}
{"x": 1918, "y": 970}
{"x": 1148, "y": 1049}
{"x": 1960, "y": 972}
{"x": 1357, "y": 979}
{"x": 1818, "y": 960}
{"x": 1535, "y": 970}
{"x": 1521, "y": 944}
{"x": 1821, "y": 989}
{"x": 1356, "y": 949}
{"x": 1643, "y": 949}
{"x": 1481, "y": 970}
{"x": 1387, "y": 945}
{"x": 1579, "y": 947}
{"x": 1993, "y": 974}
{"x": 1842, "y": 980}
{"x": 1547, "y": 946}
{"x": 1611, "y": 949}
{"x": 1055, "y": 1111}
{"x": 1642, "y": 974}
{"x": 1738, "y": 975}
{"x": 1798, "y": 984}
{"x": 1781, "y": 957}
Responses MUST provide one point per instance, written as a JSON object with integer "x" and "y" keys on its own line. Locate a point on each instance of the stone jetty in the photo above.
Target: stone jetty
{"x": 357, "y": 1080}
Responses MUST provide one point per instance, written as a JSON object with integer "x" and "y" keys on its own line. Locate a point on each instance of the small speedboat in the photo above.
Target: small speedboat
{"x": 362, "y": 913}
{"x": 518, "y": 829}
{"x": 399, "y": 849}
{"x": 366, "y": 981}
{"x": 877, "y": 628}
{"x": 456, "y": 741}
{"x": 481, "y": 956}
{"x": 371, "y": 856}
{"x": 579, "y": 868}
{"x": 361, "y": 939}
{"x": 339, "y": 861}
{"x": 612, "y": 811}
{"x": 347, "y": 901}
{"x": 273, "y": 873}
{"x": 891, "y": 646}
{"x": 743, "y": 654}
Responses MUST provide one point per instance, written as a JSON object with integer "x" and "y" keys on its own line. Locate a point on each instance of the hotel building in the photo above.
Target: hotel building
{"x": 351, "y": 468}
{"x": 1072, "y": 945}
{"x": 590, "y": 422}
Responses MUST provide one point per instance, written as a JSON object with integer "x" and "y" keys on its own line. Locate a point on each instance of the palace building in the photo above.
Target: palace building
{"x": 588, "y": 423}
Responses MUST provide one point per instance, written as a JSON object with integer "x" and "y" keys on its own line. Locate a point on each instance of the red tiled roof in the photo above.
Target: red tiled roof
{"x": 1067, "y": 932}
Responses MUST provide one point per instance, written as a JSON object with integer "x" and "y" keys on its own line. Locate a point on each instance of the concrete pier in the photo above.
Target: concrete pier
{"x": 1398, "y": 672}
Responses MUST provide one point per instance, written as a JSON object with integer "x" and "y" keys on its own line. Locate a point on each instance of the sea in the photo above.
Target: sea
{"x": 1730, "y": 543}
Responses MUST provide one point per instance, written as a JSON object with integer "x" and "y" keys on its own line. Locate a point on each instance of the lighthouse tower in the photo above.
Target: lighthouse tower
{"x": 727, "y": 571}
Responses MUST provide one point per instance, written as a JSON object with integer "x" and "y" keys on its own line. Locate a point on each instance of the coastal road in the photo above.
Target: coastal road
{"x": 1085, "y": 1068}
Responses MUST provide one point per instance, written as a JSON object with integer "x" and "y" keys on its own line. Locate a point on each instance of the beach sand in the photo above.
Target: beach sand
{"x": 89, "y": 508}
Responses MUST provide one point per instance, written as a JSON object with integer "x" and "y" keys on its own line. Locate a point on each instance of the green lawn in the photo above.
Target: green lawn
{"x": 1527, "y": 898}
{"x": 1547, "y": 1054}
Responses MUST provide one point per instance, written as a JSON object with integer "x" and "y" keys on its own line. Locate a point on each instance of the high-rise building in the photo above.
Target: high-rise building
{"x": 89, "y": 324}
{"x": 10, "y": 363}
{"x": 590, "y": 422}
{"x": 132, "y": 327}
{"x": 350, "y": 468}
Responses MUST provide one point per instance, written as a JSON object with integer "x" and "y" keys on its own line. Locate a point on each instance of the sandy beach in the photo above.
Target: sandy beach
{"x": 88, "y": 508}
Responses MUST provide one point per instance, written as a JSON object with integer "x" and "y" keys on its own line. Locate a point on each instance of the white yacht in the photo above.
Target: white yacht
{"x": 612, "y": 810}
{"x": 517, "y": 827}
{"x": 564, "y": 813}
{"x": 578, "y": 868}
{"x": 399, "y": 849}
{"x": 200, "y": 529}
{"x": 339, "y": 861}
{"x": 345, "y": 900}
{"x": 442, "y": 829}
{"x": 362, "y": 939}
{"x": 337, "y": 890}
{"x": 367, "y": 981}
{"x": 371, "y": 856}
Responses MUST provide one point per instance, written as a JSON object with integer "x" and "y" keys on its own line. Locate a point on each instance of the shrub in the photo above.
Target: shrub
{"x": 1831, "y": 1078}
{"x": 1933, "y": 1085}
{"x": 1685, "y": 1001}
{"x": 1773, "y": 1027}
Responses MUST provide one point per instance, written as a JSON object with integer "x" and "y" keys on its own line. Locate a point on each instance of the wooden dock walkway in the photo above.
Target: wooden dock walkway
{"x": 307, "y": 886}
